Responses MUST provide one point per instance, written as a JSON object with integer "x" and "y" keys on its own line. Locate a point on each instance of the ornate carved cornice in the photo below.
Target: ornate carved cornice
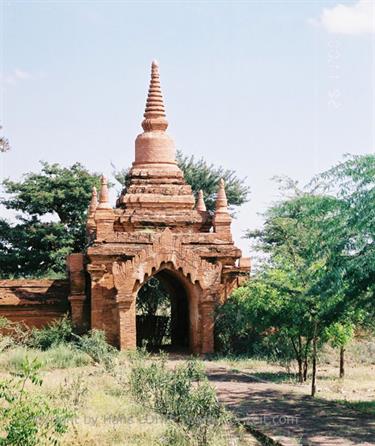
{"x": 167, "y": 248}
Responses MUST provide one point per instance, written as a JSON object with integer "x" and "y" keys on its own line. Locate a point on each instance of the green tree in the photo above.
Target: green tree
{"x": 285, "y": 300}
{"x": 320, "y": 255}
{"x": 203, "y": 176}
{"x": 53, "y": 205}
{"x": 4, "y": 143}
{"x": 339, "y": 335}
{"x": 350, "y": 232}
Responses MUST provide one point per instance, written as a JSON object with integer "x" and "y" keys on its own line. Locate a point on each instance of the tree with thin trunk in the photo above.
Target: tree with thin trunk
{"x": 339, "y": 335}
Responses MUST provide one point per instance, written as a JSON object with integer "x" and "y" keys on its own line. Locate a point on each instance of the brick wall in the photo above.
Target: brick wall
{"x": 36, "y": 302}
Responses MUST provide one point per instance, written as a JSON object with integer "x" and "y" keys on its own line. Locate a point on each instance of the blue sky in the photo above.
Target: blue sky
{"x": 265, "y": 88}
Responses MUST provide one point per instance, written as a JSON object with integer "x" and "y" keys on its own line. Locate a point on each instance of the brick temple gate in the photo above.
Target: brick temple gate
{"x": 157, "y": 229}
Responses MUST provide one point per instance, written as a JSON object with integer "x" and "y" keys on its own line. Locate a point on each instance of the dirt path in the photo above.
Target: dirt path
{"x": 287, "y": 416}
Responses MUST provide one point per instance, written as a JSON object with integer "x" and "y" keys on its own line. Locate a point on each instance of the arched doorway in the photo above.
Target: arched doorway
{"x": 162, "y": 308}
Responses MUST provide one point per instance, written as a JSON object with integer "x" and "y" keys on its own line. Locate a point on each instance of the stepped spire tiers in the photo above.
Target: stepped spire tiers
{"x": 154, "y": 148}
{"x": 200, "y": 206}
{"x": 155, "y": 182}
{"x": 155, "y": 112}
{"x": 103, "y": 196}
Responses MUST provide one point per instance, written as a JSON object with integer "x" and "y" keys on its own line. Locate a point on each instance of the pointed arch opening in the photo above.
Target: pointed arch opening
{"x": 164, "y": 307}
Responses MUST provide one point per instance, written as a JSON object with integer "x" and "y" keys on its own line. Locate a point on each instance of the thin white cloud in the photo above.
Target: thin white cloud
{"x": 358, "y": 18}
{"x": 15, "y": 76}
{"x": 20, "y": 74}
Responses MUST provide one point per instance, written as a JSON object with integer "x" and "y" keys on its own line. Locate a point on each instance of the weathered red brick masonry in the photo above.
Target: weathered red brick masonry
{"x": 157, "y": 229}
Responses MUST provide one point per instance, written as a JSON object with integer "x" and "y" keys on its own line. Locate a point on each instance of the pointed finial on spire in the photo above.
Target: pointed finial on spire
{"x": 104, "y": 196}
{"x": 155, "y": 112}
{"x": 94, "y": 201}
{"x": 200, "y": 206}
{"x": 221, "y": 199}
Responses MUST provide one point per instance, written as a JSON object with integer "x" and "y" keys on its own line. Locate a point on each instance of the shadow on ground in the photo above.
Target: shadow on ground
{"x": 287, "y": 416}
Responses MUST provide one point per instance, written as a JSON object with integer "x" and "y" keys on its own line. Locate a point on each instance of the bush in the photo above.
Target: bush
{"x": 64, "y": 356}
{"x": 183, "y": 396}
{"x": 58, "y": 332}
{"x": 238, "y": 333}
{"x": 17, "y": 332}
{"x": 27, "y": 420}
{"x": 59, "y": 357}
{"x": 96, "y": 346}
{"x": 234, "y": 333}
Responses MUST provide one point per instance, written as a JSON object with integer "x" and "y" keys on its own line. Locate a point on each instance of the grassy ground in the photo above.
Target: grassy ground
{"x": 356, "y": 389}
{"x": 106, "y": 414}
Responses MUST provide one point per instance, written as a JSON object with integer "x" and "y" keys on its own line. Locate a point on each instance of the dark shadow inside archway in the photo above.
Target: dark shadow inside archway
{"x": 163, "y": 313}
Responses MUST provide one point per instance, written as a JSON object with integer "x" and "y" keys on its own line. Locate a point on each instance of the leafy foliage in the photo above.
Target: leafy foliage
{"x": 27, "y": 420}
{"x": 351, "y": 232}
{"x": 34, "y": 248}
{"x": 59, "y": 342}
{"x": 340, "y": 334}
{"x": 4, "y": 143}
{"x": 96, "y": 346}
{"x": 201, "y": 175}
{"x": 318, "y": 273}
{"x": 53, "y": 204}
{"x": 182, "y": 395}
{"x": 56, "y": 333}
{"x": 152, "y": 297}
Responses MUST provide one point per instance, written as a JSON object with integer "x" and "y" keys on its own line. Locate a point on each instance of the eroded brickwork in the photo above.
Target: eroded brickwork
{"x": 35, "y": 302}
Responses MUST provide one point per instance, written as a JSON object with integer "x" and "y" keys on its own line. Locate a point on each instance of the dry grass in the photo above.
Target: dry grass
{"x": 108, "y": 416}
{"x": 106, "y": 413}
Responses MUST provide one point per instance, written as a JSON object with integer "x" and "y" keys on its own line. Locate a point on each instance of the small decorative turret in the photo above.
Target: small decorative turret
{"x": 222, "y": 219}
{"x": 90, "y": 225}
{"x": 221, "y": 199}
{"x": 104, "y": 214}
{"x": 200, "y": 206}
{"x": 104, "y": 196}
{"x": 93, "y": 202}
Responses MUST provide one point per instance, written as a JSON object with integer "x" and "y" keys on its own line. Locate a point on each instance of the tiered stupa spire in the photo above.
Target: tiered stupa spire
{"x": 154, "y": 148}
{"x": 156, "y": 184}
{"x": 155, "y": 111}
